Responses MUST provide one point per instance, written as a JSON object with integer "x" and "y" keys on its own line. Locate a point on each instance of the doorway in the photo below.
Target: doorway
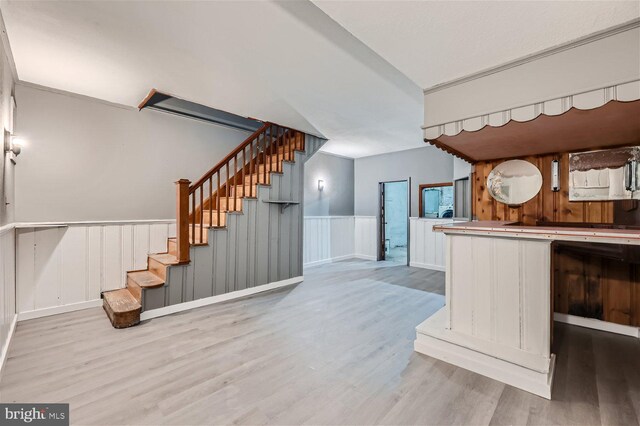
{"x": 393, "y": 241}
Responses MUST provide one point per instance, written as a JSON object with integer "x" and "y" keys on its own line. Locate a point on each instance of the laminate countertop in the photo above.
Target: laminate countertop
{"x": 506, "y": 229}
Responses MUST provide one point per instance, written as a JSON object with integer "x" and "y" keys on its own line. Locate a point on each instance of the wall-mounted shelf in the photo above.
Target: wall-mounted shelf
{"x": 283, "y": 203}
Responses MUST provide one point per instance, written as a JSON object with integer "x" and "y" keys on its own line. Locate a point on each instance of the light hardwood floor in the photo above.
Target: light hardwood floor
{"x": 335, "y": 349}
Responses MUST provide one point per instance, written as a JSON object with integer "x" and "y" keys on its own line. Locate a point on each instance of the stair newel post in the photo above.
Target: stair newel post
{"x": 182, "y": 220}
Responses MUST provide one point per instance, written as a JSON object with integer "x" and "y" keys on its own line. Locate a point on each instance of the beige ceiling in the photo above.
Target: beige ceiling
{"x": 433, "y": 42}
{"x": 355, "y": 75}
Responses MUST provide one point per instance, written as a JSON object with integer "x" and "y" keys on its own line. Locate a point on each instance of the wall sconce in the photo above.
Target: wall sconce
{"x": 555, "y": 176}
{"x": 320, "y": 185}
{"x": 12, "y": 145}
{"x": 16, "y": 145}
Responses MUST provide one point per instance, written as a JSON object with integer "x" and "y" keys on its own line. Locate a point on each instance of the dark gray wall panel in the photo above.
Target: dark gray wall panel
{"x": 261, "y": 245}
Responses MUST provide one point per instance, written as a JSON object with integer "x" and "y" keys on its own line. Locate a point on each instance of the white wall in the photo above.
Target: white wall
{"x": 59, "y": 267}
{"x": 330, "y": 239}
{"x": 426, "y": 246}
{"x": 89, "y": 160}
{"x": 461, "y": 169}
{"x": 422, "y": 165}
{"x": 583, "y": 67}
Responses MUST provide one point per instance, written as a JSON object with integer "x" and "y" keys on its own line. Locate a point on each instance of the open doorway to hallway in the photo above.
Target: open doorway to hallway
{"x": 394, "y": 222}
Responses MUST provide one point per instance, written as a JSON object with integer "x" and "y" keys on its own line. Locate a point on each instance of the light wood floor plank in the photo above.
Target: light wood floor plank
{"x": 335, "y": 349}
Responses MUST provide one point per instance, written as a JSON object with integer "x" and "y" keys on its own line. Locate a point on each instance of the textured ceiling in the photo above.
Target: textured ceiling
{"x": 354, "y": 75}
{"x": 433, "y": 42}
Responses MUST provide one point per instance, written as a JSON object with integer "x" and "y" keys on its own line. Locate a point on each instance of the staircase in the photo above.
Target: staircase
{"x": 251, "y": 198}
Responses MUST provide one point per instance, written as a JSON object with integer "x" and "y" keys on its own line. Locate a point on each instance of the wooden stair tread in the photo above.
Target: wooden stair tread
{"x": 146, "y": 279}
{"x": 164, "y": 258}
{"x": 121, "y": 301}
{"x": 122, "y": 308}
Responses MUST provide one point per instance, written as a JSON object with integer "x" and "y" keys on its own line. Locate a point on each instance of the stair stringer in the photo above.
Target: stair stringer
{"x": 262, "y": 244}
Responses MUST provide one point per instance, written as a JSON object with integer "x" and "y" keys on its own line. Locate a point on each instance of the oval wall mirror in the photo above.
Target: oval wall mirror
{"x": 514, "y": 182}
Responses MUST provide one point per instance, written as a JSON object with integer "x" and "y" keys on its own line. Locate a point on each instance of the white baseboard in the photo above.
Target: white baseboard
{"x": 5, "y": 348}
{"x": 597, "y": 324}
{"x": 330, "y": 260}
{"x": 364, "y": 257}
{"x": 428, "y": 266}
{"x": 55, "y": 310}
{"x": 168, "y": 310}
{"x": 520, "y": 377}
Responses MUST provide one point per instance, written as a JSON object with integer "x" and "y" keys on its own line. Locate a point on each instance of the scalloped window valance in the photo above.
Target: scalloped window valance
{"x": 626, "y": 92}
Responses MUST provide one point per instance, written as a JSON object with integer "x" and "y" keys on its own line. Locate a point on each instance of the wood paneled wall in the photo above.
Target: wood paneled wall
{"x": 546, "y": 206}
{"x": 585, "y": 285}
{"x": 593, "y": 286}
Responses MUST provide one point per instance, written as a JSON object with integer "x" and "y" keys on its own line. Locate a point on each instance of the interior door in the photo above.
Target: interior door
{"x": 382, "y": 223}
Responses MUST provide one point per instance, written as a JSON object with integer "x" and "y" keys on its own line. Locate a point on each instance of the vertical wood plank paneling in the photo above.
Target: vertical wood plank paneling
{"x": 251, "y": 243}
{"x": 25, "y": 270}
{"x": 546, "y": 205}
{"x": 220, "y": 253}
{"x": 507, "y": 289}
{"x": 202, "y": 278}
{"x": 141, "y": 236}
{"x": 7, "y": 292}
{"x": 477, "y": 296}
{"x": 94, "y": 262}
{"x": 111, "y": 258}
{"x": 242, "y": 237}
{"x": 619, "y": 285}
{"x": 232, "y": 250}
{"x": 74, "y": 259}
{"x": 127, "y": 251}
{"x": 484, "y": 252}
{"x": 158, "y": 234}
{"x": 64, "y": 265}
{"x": 427, "y": 246}
{"x": 48, "y": 264}
{"x": 328, "y": 238}
{"x": 462, "y": 277}
{"x": 535, "y": 258}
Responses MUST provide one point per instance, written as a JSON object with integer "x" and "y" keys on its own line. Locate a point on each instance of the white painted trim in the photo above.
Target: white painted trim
{"x": 330, "y": 260}
{"x": 328, "y": 217}
{"x": 168, "y": 310}
{"x": 428, "y": 266}
{"x": 91, "y": 222}
{"x": 597, "y": 324}
{"x": 6, "y": 228}
{"x": 634, "y": 23}
{"x": 75, "y": 95}
{"x": 55, "y": 310}
{"x": 320, "y": 151}
{"x": 5, "y": 349}
{"x": 364, "y": 257}
{"x": 520, "y": 377}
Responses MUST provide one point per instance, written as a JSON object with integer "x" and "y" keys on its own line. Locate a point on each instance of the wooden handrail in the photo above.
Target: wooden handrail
{"x": 228, "y": 158}
{"x": 233, "y": 178}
